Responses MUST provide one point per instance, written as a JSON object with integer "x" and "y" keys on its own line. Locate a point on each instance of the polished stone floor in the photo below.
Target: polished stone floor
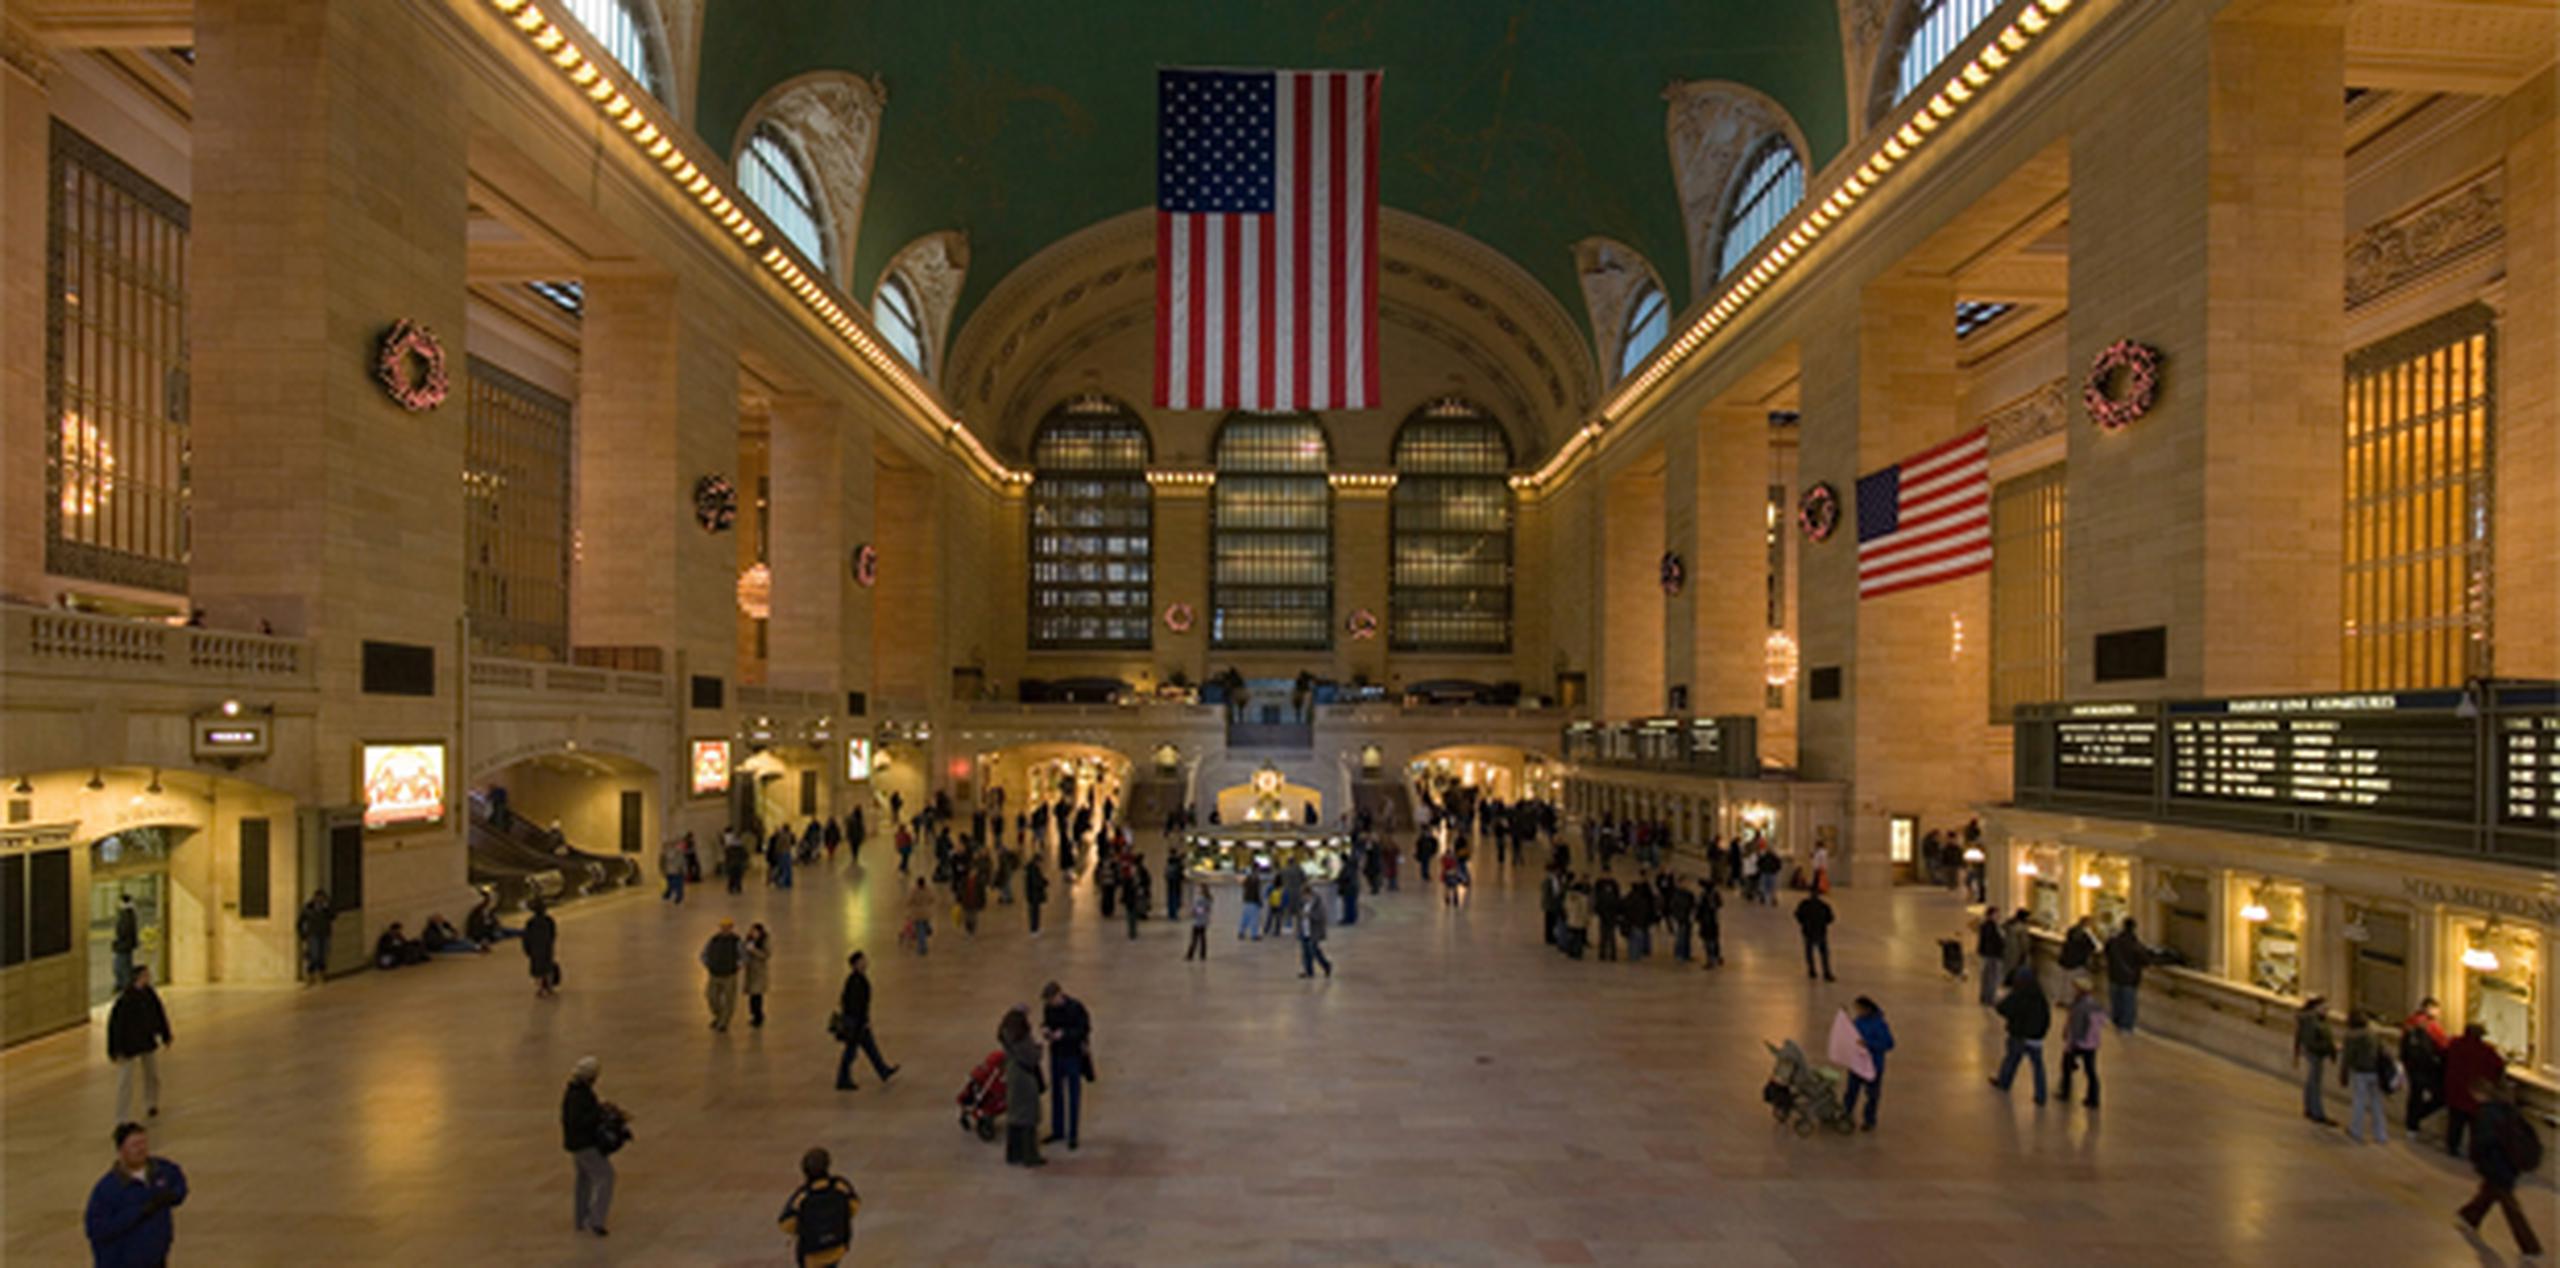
{"x": 1455, "y": 1094}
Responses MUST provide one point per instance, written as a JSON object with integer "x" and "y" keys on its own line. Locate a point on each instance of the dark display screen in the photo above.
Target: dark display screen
{"x": 2529, "y": 770}
{"x": 2106, "y": 755}
{"x": 2380, "y": 755}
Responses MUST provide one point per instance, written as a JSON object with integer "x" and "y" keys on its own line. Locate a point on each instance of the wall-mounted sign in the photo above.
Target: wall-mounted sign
{"x": 710, "y": 767}
{"x": 218, "y": 738}
{"x": 402, "y": 783}
{"x": 857, "y": 760}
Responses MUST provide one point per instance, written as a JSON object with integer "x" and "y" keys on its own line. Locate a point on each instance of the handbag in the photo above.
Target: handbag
{"x": 835, "y": 1024}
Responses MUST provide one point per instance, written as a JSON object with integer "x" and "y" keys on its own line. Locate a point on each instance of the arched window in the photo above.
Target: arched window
{"x": 900, "y": 320}
{"x": 1450, "y": 518}
{"x": 1772, "y": 184}
{"x": 1931, "y": 29}
{"x": 1271, "y": 535}
{"x": 1092, "y": 544}
{"x": 772, "y": 176}
{"x": 1648, "y": 319}
{"x": 627, "y": 37}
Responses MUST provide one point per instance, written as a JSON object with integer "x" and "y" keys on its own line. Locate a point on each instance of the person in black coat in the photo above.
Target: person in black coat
{"x": 136, "y": 1028}
{"x": 589, "y": 1130}
{"x": 853, "y": 1024}
{"x": 1813, "y": 917}
{"x": 1069, "y": 1029}
{"x": 541, "y": 944}
{"x": 2030, "y": 1018}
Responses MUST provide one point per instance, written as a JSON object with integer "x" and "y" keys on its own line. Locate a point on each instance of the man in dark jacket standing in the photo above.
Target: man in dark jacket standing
{"x": 1035, "y": 891}
{"x": 1069, "y": 1030}
{"x": 720, "y": 961}
{"x": 128, "y": 937}
{"x": 128, "y": 1218}
{"x": 1813, "y": 916}
{"x": 2030, "y": 1019}
{"x": 313, "y": 925}
{"x": 136, "y": 1028}
{"x": 2126, "y": 959}
{"x": 853, "y": 1024}
{"x": 581, "y": 1118}
{"x": 1679, "y": 906}
{"x": 541, "y": 948}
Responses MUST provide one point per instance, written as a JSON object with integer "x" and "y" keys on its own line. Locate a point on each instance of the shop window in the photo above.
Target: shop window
{"x": 2420, "y": 422}
{"x": 515, "y": 518}
{"x": 2378, "y": 962}
{"x": 2275, "y": 914}
{"x": 1092, "y": 532}
{"x": 2499, "y": 969}
{"x": 773, "y": 176}
{"x": 1271, "y": 536}
{"x": 2043, "y": 874}
{"x": 116, "y": 365}
{"x": 1450, "y": 521}
{"x": 2106, "y": 886}
{"x": 626, "y": 34}
{"x": 1771, "y": 185}
{"x": 2026, "y": 591}
{"x": 1648, "y": 320}
{"x": 2186, "y": 918}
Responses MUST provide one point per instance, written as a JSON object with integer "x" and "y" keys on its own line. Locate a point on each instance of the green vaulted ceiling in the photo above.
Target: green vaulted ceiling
{"x": 1526, "y": 123}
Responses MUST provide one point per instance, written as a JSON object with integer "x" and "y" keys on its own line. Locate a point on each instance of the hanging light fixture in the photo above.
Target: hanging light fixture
{"x": 2091, "y": 880}
{"x": 2026, "y": 867}
{"x": 2478, "y": 956}
{"x": 2255, "y": 910}
{"x": 1974, "y": 854}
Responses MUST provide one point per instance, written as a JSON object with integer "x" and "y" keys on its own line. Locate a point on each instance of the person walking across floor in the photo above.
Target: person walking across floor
{"x": 1710, "y": 926}
{"x": 318, "y": 917}
{"x": 128, "y": 937}
{"x": 1035, "y": 891}
{"x": 542, "y": 948}
{"x": 1813, "y": 917}
{"x": 671, "y": 865}
{"x": 720, "y": 960}
{"x": 852, "y": 1024}
{"x": 590, "y": 1129}
{"x": 137, "y": 1028}
{"x": 1990, "y": 948}
{"x": 2504, "y": 1150}
{"x": 920, "y": 915}
{"x": 818, "y": 1216}
{"x": 755, "y": 970}
{"x": 1068, "y": 1026}
{"x": 2422, "y": 1042}
{"x": 2029, "y": 1016}
{"x": 2365, "y": 1068}
{"x": 2082, "y": 1025}
{"x": 2469, "y": 1059}
{"x": 1202, "y": 905}
{"x": 128, "y": 1219}
{"x": 1249, "y": 919}
{"x": 1022, "y": 1088}
{"x": 2313, "y": 1045}
{"x": 733, "y": 859}
{"x": 1311, "y": 927}
{"x": 2126, "y": 959}
{"x": 1861, "y": 1050}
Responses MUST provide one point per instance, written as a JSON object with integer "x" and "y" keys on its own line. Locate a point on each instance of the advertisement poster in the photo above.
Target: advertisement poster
{"x": 857, "y": 760}
{"x": 710, "y": 767}
{"x": 403, "y": 783}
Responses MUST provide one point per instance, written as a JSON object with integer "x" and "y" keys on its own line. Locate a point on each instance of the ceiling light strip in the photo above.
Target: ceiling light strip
{"x": 1998, "y": 56}
{"x": 618, "y": 101}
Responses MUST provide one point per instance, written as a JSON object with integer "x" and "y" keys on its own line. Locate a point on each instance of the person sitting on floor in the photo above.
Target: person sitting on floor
{"x": 441, "y": 936}
{"x": 481, "y": 927}
{"x": 395, "y": 948}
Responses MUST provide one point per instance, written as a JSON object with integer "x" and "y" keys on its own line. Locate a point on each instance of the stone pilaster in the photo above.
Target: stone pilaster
{"x": 25, "y": 150}
{"x": 1729, "y": 575}
{"x": 2525, "y": 608}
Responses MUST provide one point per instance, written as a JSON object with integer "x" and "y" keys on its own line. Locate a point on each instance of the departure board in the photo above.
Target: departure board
{"x": 2103, "y": 754}
{"x": 2529, "y": 770}
{"x": 2409, "y": 756}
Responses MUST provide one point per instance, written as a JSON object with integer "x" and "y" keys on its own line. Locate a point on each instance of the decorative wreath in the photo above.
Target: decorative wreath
{"x": 866, "y": 565}
{"x": 1363, "y": 624}
{"x": 1178, "y": 617}
{"x": 715, "y": 503}
{"x": 1818, "y": 512}
{"x": 410, "y": 364}
{"x": 1675, "y": 572}
{"x": 2114, "y": 404}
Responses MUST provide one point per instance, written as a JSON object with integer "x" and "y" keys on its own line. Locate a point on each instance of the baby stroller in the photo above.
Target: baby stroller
{"x": 982, "y": 1101}
{"x": 1805, "y": 1095}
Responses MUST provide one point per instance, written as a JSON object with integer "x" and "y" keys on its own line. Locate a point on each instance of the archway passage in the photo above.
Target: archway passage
{"x": 561, "y": 825}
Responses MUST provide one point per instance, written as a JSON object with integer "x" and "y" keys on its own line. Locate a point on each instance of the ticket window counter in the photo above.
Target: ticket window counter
{"x": 2186, "y": 918}
{"x": 2378, "y": 944}
{"x": 2274, "y": 917}
{"x": 2040, "y": 872}
{"x": 2105, "y": 883}
{"x": 2501, "y": 984}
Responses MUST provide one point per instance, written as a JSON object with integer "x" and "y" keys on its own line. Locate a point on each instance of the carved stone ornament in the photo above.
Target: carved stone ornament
{"x": 1861, "y": 31}
{"x": 834, "y": 117}
{"x": 935, "y": 266}
{"x": 1612, "y": 274}
{"x": 2427, "y": 237}
{"x": 1713, "y": 126}
{"x": 2040, "y": 413}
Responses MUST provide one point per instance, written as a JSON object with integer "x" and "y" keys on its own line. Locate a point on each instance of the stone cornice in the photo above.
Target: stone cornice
{"x": 2427, "y": 237}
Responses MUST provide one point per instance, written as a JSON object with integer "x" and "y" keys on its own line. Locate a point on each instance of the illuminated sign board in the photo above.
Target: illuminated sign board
{"x": 221, "y": 737}
{"x": 857, "y": 760}
{"x": 402, "y": 783}
{"x": 710, "y": 767}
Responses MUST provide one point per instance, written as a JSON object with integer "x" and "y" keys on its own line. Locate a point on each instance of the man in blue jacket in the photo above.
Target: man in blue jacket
{"x": 128, "y": 1220}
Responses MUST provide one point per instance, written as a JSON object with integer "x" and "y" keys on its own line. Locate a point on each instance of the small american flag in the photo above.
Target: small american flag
{"x": 1927, "y": 518}
{"x": 1266, "y": 239}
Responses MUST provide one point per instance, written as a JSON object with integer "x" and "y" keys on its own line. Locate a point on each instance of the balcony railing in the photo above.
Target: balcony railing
{"x": 50, "y": 640}
{"x": 501, "y": 676}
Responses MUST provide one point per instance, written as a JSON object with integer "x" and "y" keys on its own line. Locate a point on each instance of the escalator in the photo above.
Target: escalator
{"x": 516, "y": 860}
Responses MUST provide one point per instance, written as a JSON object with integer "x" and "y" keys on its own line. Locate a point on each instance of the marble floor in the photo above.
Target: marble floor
{"x": 1455, "y": 1094}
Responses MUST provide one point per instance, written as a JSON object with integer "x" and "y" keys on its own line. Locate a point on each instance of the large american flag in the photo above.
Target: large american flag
{"x": 1266, "y": 239}
{"x": 1927, "y": 518}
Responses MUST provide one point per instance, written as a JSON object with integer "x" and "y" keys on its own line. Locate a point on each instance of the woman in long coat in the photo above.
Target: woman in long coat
{"x": 1022, "y": 1088}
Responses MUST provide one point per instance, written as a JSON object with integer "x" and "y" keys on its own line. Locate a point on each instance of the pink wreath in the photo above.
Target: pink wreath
{"x": 2115, "y": 408}
{"x": 1178, "y": 618}
{"x": 866, "y": 565}
{"x": 415, "y": 390}
{"x": 1363, "y": 624}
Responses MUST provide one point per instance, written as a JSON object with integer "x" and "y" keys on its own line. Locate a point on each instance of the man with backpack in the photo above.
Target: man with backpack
{"x": 2504, "y": 1149}
{"x": 818, "y": 1218}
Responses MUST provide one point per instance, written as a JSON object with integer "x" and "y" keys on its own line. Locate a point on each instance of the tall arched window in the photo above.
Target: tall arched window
{"x": 1092, "y": 529}
{"x": 899, "y": 319}
{"x": 772, "y": 175}
{"x": 1271, "y": 535}
{"x": 1450, "y": 518}
{"x": 627, "y": 37}
{"x": 1930, "y": 30}
{"x": 1771, "y": 185}
{"x": 1648, "y": 319}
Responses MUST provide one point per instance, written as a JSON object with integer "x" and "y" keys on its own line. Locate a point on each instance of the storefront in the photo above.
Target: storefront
{"x": 2500, "y": 965}
{"x": 2105, "y": 882}
{"x": 2273, "y": 923}
{"x": 2040, "y": 875}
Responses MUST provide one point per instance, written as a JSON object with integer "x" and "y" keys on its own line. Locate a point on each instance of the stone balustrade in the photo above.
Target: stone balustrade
{"x": 53, "y": 641}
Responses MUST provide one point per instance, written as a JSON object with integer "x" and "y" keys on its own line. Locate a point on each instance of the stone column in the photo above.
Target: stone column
{"x": 1632, "y": 609}
{"x": 319, "y": 504}
{"x": 2525, "y": 529}
{"x": 2206, "y": 213}
{"x": 1182, "y": 576}
{"x": 25, "y": 147}
{"x": 908, "y": 670}
{"x": 814, "y": 499}
{"x": 1362, "y": 573}
{"x": 1729, "y": 575}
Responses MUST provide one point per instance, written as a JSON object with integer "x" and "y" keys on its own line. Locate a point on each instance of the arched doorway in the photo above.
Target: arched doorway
{"x": 130, "y": 866}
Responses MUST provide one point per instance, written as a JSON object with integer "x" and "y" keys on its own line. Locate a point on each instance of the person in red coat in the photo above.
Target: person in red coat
{"x": 2467, "y": 1060}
